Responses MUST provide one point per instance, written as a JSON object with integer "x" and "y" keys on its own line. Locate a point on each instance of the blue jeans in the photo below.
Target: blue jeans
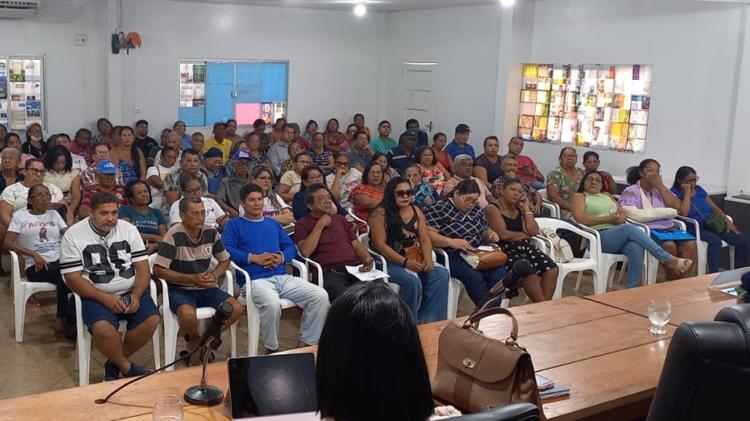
{"x": 477, "y": 282}
{"x": 426, "y": 293}
{"x": 739, "y": 241}
{"x": 631, "y": 241}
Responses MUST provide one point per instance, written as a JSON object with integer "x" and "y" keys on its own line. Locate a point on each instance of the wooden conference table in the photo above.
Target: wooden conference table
{"x": 599, "y": 346}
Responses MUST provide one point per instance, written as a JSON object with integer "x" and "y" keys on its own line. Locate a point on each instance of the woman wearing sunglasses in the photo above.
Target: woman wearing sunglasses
{"x": 398, "y": 231}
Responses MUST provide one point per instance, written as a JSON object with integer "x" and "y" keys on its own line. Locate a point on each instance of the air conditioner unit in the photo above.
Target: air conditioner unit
{"x": 19, "y": 9}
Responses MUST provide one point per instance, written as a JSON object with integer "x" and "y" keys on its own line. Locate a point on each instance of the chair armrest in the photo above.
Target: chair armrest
{"x": 301, "y": 267}
{"x": 238, "y": 271}
{"x": 694, "y": 223}
{"x": 640, "y": 225}
{"x": 543, "y": 244}
{"x": 318, "y": 269}
{"x": 553, "y": 208}
{"x": 442, "y": 255}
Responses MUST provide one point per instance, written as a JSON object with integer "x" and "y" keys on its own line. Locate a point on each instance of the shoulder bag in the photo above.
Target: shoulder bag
{"x": 476, "y": 373}
{"x": 561, "y": 251}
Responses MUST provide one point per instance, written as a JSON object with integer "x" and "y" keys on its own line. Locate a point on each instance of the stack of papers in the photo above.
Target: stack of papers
{"x": 548, "y": 389}
{"x": 367, "y": 276}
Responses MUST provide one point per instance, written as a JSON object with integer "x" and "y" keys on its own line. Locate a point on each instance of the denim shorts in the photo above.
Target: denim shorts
{"x": 208, "y": 297}
{"x": 93, "y": 311}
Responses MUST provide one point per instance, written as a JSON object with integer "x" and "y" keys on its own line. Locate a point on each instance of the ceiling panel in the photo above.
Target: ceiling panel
{"x": 373, "y": 5}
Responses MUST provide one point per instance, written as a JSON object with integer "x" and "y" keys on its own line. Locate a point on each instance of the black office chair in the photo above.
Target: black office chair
{"x": 706, "y": 375}
{"x": 512, "y": 412}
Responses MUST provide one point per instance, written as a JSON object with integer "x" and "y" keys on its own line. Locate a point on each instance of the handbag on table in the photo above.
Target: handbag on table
{"x": 476, "y": 373}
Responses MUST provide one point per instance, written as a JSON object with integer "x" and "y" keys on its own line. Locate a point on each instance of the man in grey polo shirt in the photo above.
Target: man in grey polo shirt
{"x": 229, "y": 190}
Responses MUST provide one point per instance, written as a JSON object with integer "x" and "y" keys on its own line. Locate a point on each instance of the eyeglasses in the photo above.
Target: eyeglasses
{"x": 692, "y": 180}
{"x": 37, "y": 171}
{"x": 404, "y": 193}
{"x": 342, "y": 163}
{"x": 570, "y": 156}
{"x": 42, "y": 195}
{"x": 193, "y": 191}
{"x": 263, "y": 177}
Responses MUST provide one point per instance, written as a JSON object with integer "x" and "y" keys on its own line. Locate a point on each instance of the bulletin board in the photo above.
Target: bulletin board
{"x": 22, "y": 97}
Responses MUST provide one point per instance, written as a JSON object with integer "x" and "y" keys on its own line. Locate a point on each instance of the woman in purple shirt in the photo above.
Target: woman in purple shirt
{"x": 649, "y": 201}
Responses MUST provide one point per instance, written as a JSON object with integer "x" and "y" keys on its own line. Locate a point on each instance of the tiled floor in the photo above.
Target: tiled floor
{"x": 44, "y": 362}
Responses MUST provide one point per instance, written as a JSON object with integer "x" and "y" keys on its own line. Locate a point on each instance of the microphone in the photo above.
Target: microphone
{"x": 213, "y": 331}
{"x": 520, "y": 269}
{"x": 204, "y": 393}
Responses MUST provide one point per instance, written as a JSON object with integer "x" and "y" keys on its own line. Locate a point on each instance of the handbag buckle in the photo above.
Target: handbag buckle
{"x": 469, "y": 363}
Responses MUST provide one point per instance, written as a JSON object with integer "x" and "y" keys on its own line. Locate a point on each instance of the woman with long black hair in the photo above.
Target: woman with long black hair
{"x": 398, "y": 231}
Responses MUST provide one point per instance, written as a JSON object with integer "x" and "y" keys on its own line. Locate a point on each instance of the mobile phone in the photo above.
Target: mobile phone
{"x": 127, "y": 299}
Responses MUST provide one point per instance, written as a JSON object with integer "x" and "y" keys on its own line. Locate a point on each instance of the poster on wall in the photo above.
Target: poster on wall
{"x": 22, "y": 85}
{"x": 588, "y": 105}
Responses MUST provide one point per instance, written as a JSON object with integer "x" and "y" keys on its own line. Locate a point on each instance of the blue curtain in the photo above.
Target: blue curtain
{"x": 274, "y": 81}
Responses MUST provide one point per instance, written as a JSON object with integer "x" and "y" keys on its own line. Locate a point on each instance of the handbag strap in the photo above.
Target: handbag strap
{"x": 474, "y": 318}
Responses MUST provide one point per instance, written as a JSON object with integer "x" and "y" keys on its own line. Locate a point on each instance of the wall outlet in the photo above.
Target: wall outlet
{"x": 81, "y": 39}
{"x": 137, "y": 110}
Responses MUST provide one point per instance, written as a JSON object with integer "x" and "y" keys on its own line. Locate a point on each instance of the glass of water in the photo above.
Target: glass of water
{"x": 659, "y": 313}
{"x": 168, "y": 408}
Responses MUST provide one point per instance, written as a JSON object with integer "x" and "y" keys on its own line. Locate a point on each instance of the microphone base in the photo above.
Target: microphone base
{"x": 204, "y": 395}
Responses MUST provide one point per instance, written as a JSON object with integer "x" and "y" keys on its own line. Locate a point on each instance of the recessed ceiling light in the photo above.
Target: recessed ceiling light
{"x": 507, "y": 3}
{"x": 360, "y": 10}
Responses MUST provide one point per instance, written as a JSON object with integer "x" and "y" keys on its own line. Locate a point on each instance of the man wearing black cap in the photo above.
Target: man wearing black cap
{"x": 413, "y": 124}
{"x": 460, "y": 144}
{"x": 213, "y": 167}
{"x": 404, "y": 154}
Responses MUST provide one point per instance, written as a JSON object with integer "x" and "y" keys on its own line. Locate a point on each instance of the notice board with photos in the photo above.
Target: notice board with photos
{"x": 244, "y": 90}
{"x": 602, "y": 106}
{"x": 22, "y": 100}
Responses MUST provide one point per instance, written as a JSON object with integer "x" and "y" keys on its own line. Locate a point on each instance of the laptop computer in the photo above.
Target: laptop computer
{"x": 278, "y": 387}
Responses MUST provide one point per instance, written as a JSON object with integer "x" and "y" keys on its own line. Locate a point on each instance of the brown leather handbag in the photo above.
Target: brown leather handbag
{"x": 414, "y": 253}
{"x": 476, "y": 373}
{"x": 485, "y": 259}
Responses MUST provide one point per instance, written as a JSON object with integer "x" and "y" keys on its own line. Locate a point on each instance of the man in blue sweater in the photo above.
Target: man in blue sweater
{"x": 260, "y": 246}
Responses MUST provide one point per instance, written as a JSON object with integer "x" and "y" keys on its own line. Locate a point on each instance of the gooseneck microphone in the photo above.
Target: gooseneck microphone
{"x": 212, "y": 334}
{"x": 508, "y": 284}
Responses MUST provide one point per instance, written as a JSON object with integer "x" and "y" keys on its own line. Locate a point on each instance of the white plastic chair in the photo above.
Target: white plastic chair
{"x": 253, "y": 317}
{"x": 552, "y": 207}
{"x": 651, "y": 268}
{"x": 83, "y": 341}
{"x": 172, "y": 325}
{"x": 703, "y": 247}
{"x": 596, "y": 261}
{"x": 454, "y": 286}
{"x": 22, "y": 291}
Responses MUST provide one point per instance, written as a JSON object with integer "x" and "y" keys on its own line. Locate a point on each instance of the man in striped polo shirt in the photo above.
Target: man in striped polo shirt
{"x": 184, "y": 261}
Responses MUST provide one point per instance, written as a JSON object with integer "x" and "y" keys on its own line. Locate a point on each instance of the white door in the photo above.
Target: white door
{"x": 418, "y": 82}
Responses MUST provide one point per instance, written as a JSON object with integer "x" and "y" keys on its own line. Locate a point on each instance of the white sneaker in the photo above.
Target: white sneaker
{"x": 243, "y": 294}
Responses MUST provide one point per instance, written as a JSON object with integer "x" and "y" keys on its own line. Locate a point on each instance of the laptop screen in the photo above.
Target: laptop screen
{"x": 272, "y": 385}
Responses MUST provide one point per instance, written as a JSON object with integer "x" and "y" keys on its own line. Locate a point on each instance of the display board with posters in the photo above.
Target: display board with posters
{"x": 22, "y": 99}
{"x": 597, "y": 106}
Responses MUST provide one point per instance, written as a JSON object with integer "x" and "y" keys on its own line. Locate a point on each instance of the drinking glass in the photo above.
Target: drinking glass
{"x": 659, "y": 312}
{"x": 168, "y": 408}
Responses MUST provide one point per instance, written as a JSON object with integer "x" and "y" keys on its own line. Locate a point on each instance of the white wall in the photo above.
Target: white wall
{"x": 693, "y": 47}
{"x": 333, "y": 56}
{"x": 464, "y": 42}
{"x": 75, "y": 76}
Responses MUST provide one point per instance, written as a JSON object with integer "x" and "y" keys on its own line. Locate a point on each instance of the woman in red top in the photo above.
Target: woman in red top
{"x": 438, "y": 144}
{"x": 335, "y": 140}
{"x": 368, "y": 195}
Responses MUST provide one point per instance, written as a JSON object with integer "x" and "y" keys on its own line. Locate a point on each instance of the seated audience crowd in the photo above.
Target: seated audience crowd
{"x": 85, "y": 214}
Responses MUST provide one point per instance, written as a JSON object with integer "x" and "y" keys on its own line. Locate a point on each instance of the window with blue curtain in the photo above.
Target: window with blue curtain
{"x": 240, "y": 90}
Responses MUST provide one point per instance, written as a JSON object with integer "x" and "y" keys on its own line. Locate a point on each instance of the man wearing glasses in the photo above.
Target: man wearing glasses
{"x": 344, "y": 179}
{"x": 228, "y": 195}
{"x": 329, "y": 240}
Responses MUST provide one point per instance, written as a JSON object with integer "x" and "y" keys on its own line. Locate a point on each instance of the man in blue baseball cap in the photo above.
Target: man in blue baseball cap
{"x": 105, "y": 182}
{"x": 460, "y": 144}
